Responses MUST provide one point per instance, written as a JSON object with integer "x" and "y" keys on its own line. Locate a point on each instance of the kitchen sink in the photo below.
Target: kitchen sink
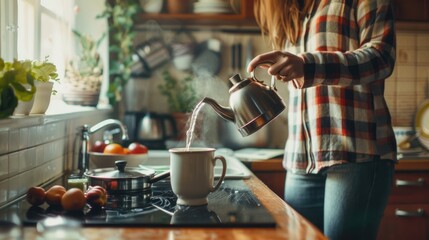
{"x": 159, "y": 160}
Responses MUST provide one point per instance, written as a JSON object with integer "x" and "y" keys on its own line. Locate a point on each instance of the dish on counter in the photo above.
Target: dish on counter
{"x": 410, "y": 151}
{"x": 105, "y": 160}
{"x": 212, "y": 7}
{"x": 422, "y": 123}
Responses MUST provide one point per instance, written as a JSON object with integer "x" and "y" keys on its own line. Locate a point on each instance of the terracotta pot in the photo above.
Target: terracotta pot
{"x": 183, "y": 121}
{"x": 179, "y": 6}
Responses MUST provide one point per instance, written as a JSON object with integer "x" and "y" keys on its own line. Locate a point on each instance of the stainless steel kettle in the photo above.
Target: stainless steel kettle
{"x": 253, "y": 104}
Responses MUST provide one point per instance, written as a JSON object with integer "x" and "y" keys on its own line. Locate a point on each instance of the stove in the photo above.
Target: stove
{"x": 232, "y": 205}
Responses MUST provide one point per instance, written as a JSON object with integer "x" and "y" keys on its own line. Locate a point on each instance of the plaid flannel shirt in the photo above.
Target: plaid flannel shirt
{"x": 339, "y": 114}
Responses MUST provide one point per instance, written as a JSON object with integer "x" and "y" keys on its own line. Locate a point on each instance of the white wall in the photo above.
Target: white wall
{"x": 86, "y": 22}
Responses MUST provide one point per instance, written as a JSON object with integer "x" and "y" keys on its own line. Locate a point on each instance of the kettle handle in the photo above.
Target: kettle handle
{"x": 273, "y": 79}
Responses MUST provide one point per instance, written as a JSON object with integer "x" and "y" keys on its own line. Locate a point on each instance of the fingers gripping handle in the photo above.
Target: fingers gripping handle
{"x": 273, "y": 79}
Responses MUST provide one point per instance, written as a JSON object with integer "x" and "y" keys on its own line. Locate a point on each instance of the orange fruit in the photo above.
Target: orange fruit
{"x": 36, "y": 196}
{"x": 126, "y": 151}
{"x": 54, "y": 195}
{"x": 73, "y": 200}
{"x": 114, "y": 148}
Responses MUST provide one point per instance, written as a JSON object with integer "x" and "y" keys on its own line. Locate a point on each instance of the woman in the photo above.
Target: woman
{"x": 335, "y": 56}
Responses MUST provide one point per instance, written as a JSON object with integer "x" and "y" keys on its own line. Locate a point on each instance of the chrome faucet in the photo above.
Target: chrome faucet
{"x": 86, "y": 131}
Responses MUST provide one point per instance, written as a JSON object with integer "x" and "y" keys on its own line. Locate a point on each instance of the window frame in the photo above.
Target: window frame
{"x": 8, "y": 29}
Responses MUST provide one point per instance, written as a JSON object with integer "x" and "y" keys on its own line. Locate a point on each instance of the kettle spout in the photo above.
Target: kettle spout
{"x": 224, "y": 112}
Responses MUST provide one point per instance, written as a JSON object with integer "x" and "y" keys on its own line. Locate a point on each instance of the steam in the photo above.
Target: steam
{"x": 206, "y": 122}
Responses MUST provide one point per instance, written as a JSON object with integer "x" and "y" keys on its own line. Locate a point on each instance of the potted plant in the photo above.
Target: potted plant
{"x": 18, "y": 82}
{"x": 84, "y": 76}
{"x": 120, "y": 15}
{"x": 45, "y": 74}
{"x": 181, "y": 98}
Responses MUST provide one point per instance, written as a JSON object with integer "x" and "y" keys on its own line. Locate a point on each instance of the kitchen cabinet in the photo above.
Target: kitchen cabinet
{"x": 406, "y": 215}
{"x": 411, "y": 10}
{"x": 244, "y": 18}
{"x": 405, "y": 11}
{"x": 270, "y": 172}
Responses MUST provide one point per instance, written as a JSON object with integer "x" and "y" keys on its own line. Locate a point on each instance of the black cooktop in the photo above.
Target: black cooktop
{"x": 233, "y": 205}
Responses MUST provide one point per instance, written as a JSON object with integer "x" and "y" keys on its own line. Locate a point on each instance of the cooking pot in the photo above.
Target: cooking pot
{"x": 124, "y": 179}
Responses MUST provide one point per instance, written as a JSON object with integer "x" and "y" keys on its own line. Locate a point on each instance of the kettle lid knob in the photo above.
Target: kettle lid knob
{"x": 235, "y": 79}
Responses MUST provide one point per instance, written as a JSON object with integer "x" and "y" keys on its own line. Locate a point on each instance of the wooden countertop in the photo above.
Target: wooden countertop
{"x": 409, "y": 164}
{"x": 290, "y": 225}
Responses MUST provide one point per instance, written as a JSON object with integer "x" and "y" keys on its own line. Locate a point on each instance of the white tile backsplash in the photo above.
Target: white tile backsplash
{"x": 41, "y": 134}
{"x": 4, "y": 190}
{"x": 13, "y": 140}
{"x": 27, "y": 179}
{"x": 4, "y": 141}
{"x": 14, "y": 187}
{"x": 34, "y": 150}
{"x": 406, "y": 71}
{"x": 32, "y": 136}
{"x": 422, "y": 40}
{"x": 40, "y": 155}
{"x": 406, "y": 40}
{"x": 423, "y": 57}
{"x": 39, "y": 174}
{"x": 27, "y": 159}
{"x": 23, "y": 138}
{"x": 13, "y": 163}
{"x": 412, "y": 68}
{"x": 4, "y": 166}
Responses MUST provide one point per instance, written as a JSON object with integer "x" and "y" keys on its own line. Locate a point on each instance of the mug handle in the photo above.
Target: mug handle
{"x": 219, "y": 182}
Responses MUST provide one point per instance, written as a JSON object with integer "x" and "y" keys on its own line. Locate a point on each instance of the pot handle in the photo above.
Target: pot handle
{"x": 160, "y": 176}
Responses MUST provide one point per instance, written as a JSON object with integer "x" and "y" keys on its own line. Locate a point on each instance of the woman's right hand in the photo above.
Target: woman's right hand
{"x": 285, "y": 66}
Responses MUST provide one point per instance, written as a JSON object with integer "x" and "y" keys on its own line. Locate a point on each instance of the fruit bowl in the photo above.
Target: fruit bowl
{"x": 106, "y": 160}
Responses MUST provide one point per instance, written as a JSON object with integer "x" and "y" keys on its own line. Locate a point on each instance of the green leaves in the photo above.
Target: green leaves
{"x": 8, "y": 101}
{"x": 181, "y": 94}
{"x": 23, "y": 93}
{"x": 120, "y": 15}
{"x": 89, "y": 63}
{"x": 17, "y": 81}
{"x": 44, "y": 71}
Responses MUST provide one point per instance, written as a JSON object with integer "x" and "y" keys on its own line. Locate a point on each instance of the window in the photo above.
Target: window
{"x": 35, "y": 29}
{"x": 8, "y": 29}
{"x": 44, "y": 30}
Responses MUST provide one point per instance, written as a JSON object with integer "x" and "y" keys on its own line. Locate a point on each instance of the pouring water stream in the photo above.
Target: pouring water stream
{"x": 190, "y": 132}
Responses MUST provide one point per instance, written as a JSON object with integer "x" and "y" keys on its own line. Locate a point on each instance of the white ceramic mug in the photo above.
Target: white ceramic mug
{"x": 192, "y": 174}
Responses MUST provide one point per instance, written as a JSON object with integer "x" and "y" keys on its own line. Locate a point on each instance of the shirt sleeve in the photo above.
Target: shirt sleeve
{"x": 372, "y": 61}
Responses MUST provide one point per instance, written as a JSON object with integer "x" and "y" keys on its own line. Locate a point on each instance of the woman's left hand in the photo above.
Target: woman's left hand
{"x": 285, "y": 66}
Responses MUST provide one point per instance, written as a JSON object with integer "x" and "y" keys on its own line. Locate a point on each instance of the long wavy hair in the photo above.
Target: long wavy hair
{"x": 281, "y": 20}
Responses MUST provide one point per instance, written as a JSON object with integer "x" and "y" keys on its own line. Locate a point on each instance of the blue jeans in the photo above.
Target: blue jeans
{"x": 346, "y": 201}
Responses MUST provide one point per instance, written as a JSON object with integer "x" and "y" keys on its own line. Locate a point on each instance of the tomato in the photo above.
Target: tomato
{"x": 114, "y": 148}
{"x": 137, "y": 148}
{"x": 98, "y": 146}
